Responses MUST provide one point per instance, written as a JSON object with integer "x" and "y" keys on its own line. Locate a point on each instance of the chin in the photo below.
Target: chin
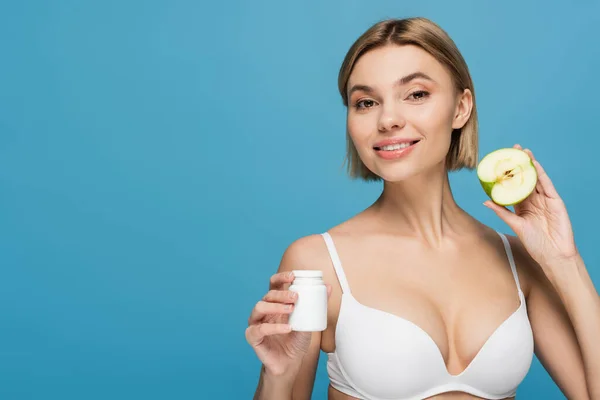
{"x": 398, "y": 173}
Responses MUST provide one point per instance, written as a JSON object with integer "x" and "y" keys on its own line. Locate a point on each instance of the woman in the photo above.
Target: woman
{"x": 424, "y": 300}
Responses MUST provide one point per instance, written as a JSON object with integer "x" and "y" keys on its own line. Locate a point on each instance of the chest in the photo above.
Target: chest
{"x": 457, "y": 297}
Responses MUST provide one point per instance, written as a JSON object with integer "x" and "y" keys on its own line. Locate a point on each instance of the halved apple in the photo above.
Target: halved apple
{"x": 507, "y": 176}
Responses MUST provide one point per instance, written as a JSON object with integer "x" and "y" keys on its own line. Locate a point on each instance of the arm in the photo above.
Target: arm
{"x": 576, "y": 291}
{"x": 297, "y": 384}
{"x": 565, "y": 308}
{"x": 557, "y": 344}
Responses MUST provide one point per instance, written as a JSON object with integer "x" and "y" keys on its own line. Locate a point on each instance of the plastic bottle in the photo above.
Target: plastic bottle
{"x": 310, "y": 311}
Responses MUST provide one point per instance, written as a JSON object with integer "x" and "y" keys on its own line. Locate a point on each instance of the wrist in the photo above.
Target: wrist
{"x": 568, "y": 276}
{"x": 277, "y": 385}
{"x": 564, "y": 268}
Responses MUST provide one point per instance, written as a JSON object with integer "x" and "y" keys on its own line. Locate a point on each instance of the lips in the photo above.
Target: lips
{"x": 394, "y": 142}
{"x": 396, "y": 150}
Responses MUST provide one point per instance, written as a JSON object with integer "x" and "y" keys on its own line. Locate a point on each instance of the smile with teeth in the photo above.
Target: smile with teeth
{"x": 397, "y": 146}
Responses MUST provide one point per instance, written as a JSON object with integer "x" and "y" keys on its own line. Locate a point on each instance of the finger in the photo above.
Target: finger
{"x": 544, "y": 181}
{"x": 530, "y": 154}
{"x": 511, "y": 219}
{"x": 281, "y": 296}
{"x": 256, "y": 333}
{"x": 263, "y": 308}
{"x": 518, "y": 146}
{"x": 539, "y": 189}
{"x": 328, "y": 290}
{"x": 280, "y": 279}
{"x": 538, "y": 186}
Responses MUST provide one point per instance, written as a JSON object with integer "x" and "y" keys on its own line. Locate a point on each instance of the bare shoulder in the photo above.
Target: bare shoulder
{"x": 307, "y": 252}
{"x": 311, "y": 252}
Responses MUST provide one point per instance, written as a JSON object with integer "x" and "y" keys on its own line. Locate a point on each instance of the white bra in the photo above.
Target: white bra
{"x": 380, "y": 356}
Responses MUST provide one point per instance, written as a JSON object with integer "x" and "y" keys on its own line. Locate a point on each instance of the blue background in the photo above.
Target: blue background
{"x": 157, "y": 157}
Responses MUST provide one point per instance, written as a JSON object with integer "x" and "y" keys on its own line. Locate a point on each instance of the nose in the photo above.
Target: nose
{"x": 390, "y": 119}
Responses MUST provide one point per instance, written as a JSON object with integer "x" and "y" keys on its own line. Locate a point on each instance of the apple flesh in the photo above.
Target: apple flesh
{"x": 507, "y": 176}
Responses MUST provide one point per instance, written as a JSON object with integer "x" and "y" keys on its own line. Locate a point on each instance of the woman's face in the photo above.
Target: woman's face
{"x": 402, "y": 108}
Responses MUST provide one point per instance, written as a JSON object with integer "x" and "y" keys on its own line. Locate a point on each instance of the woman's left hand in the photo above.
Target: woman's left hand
{"x": 541, "y": 221}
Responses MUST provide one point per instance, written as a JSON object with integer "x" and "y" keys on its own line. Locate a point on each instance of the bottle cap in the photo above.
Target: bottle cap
{"x": 307, "y": 273}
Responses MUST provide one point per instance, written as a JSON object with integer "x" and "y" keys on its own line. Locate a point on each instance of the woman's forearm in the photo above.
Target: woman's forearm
{"x": 580, "y": 298}
{"x": 274, "y": 387}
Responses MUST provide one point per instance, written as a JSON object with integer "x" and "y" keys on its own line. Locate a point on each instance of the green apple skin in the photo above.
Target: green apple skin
{"x": 487, "y": 188}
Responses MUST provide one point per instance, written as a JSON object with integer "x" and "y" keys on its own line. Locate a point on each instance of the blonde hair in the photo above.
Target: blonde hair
{"x": 427, "y": 35}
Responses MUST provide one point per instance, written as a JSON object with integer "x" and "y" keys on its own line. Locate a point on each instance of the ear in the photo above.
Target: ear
{"x": 463, "y": 109}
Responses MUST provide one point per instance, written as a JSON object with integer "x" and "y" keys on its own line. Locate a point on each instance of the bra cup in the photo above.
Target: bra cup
{"x": 397, "y": 359}
{"x": 506, "y": 357}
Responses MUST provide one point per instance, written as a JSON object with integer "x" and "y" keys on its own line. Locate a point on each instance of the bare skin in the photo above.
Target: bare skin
{"x": 413, "y": 253}
{"x": 444, "y": 290}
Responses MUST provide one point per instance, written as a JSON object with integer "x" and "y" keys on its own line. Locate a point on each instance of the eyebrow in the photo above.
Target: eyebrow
{"x": 402, "y": 81}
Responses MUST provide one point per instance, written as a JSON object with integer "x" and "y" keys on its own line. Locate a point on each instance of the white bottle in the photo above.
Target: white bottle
{"x": 310, "y": 310}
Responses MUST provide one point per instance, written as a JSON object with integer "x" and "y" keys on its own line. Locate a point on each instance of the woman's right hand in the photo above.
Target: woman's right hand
{"x": 278, "y": 347}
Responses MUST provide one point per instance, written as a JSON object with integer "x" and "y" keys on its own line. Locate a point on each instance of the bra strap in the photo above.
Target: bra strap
{"x": 337, "y": 264}
{"x": 511, "y": 260}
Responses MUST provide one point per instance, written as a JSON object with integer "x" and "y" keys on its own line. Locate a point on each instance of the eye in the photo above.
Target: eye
{"x": 418, "y": 95}
{"x": 364, "y": 104}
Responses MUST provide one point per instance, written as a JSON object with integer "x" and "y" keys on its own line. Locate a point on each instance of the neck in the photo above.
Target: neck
{"x": 422, "y": 206}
